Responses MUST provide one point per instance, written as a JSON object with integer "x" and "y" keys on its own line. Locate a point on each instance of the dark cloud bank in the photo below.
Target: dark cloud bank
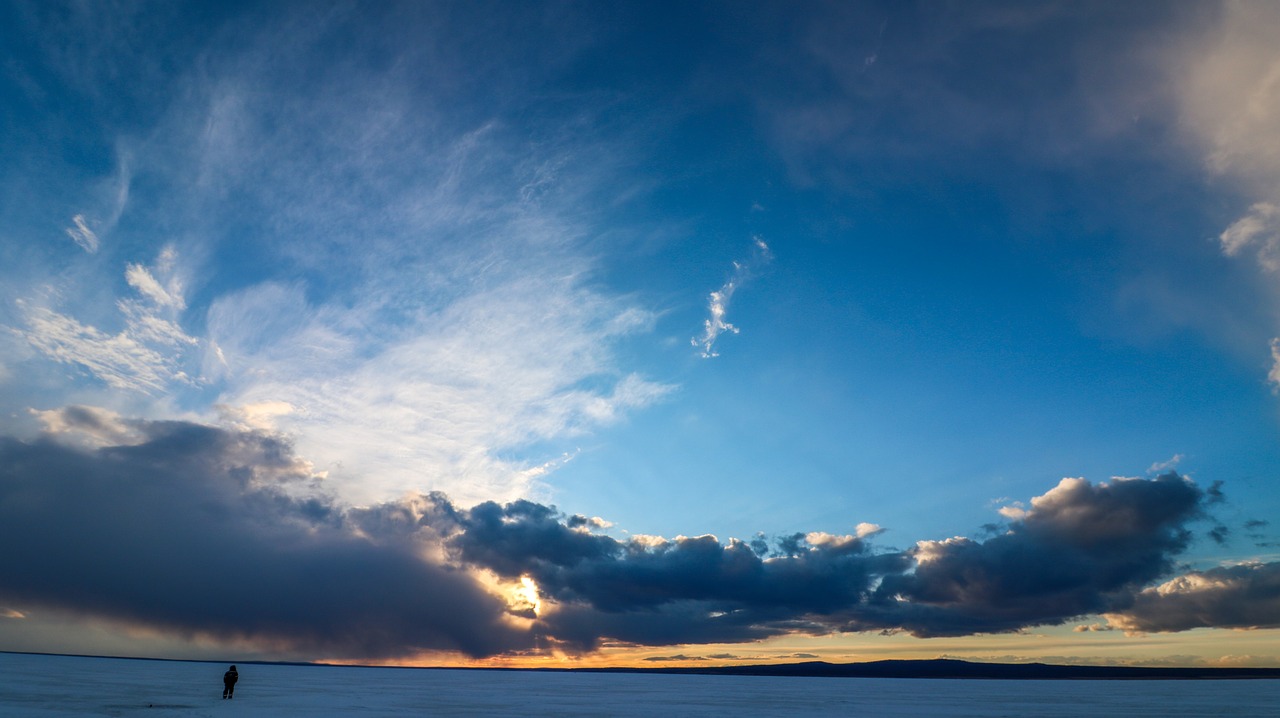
{"x": 199, "y": 531}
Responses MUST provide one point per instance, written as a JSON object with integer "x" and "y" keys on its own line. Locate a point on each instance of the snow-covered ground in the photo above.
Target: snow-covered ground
{"x": 46, "y": 686}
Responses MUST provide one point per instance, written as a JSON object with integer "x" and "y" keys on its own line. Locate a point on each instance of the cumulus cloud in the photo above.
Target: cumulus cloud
{"x": 1081, "y": 549}
{"x": 226, "y": 534}
{"x": 1244, "y": 596}
{"x": 1259, "y": 229}
{"x": 718, "y": 301}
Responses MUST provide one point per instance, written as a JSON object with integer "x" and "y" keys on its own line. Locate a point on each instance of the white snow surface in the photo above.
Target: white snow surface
{"x": 43, "y": 686}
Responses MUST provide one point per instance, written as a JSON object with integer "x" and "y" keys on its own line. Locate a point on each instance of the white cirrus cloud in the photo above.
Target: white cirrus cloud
{"x": 147, "y": 354}
{"x": 82, "y": 234}
{"x": 109, "y": 197}
{"x": 436, "y": 323}
{"x": 141, "y": 279}
{"x": 444, "y": 402}
{"x": 120, "y": 360}
{"x": 412, "y": 293}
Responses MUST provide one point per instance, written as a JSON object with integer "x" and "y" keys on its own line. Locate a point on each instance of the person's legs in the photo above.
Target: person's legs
{"x": 226, "y": 690}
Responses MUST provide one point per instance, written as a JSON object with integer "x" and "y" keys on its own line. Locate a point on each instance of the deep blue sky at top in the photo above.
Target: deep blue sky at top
{"x": 993, "y": 248}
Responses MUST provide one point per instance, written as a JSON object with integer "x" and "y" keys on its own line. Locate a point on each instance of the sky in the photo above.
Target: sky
{"x": 490, "y": 333}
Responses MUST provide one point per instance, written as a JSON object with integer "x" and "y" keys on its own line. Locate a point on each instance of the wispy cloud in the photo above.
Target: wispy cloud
{"x": 441, "y": 404}
{"x": 422, "y": 308}
{"x": 458, "y": 324}
{"x": 718, "y": 301}
{"x": 141, "y": 279}
{"x": 111, "y": 196}
{"x": 147, "y": 355}
{"x": 82, "y": 235}
{"x": 1161, "y": 467}
{"x": 1228, "y": 92}
{"x": 1229, "y": 89}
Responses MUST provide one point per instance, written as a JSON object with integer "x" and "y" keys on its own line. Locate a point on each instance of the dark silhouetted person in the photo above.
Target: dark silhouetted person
{"x": 229, "y": 682}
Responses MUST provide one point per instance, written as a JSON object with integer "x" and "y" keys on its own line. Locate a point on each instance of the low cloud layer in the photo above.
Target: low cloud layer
{"x": 192, "y": 531}
{"x": 225, "y": 535}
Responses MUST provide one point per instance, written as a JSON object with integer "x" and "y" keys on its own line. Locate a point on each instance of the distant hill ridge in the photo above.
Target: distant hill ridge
{"x": 950, "y": 668}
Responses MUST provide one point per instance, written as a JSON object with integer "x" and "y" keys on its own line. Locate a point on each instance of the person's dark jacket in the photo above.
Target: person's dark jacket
{"x": 230, "y": 677}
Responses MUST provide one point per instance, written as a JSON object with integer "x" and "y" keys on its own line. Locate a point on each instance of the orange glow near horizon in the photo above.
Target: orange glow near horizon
{"x": 1057, "y": 645}
{"x": 1083, "y": 642}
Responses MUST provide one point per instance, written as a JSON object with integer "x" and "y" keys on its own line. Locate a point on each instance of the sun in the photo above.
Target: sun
{"x": 527, "y": 593}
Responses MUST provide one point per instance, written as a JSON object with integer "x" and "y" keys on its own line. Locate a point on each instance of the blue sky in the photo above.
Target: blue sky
{"x": 879, "y": 271}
